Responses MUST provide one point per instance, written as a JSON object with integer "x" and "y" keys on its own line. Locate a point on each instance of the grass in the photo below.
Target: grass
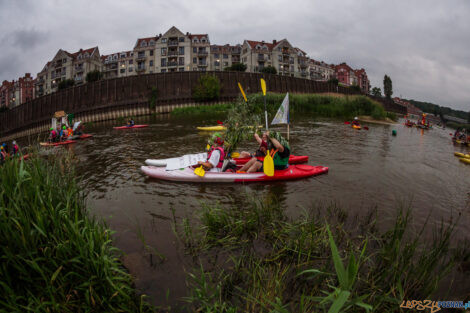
{"x": 54, "y": 257}
{"x": 257, "y": 260}
{"x": 315, "y": 104}
{"x": 457, "y": 125}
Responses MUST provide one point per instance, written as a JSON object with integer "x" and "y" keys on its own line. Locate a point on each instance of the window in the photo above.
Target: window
{"x": 122, "y": 70}
{"x": 163, "y": 62}
{"x": 181, "y": 69}
{"x": 280, "y": 58}
{"x": 143, "y": 44}
{"x": 131, "y": 68}
{"x": 194, "y": 50}
{"x": 217, "y": 63}
{"x": 225, "y": 64}
{"x": 181, "y": 50}
{"x": 163, "y": 70}
{"x": 194, "y": 60}
{"x": 181, "y": 39}
{"x": 163, "y": 40}
{"x": 123, "y": 55}
{"x": 64, "y": 60}
{"x": 195, "y": 40}
{"x": 163, "y": 52}
{"x": 151, "y": 63}
{"x": 225, "y": 56}
{"x": 203, "y": 40}
{"x": 181, "y": 61}
{"x": 291, "y": 59}
{"x": 151, "y": 52}
{"x": 131, "y": 62}
{"x": 152, "y": 42}
{"x": 216, "y": 55}
{"x": 292, "y": 68}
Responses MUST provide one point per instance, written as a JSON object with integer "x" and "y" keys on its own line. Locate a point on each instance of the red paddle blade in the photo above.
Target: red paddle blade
{"x": 366, "y": 128}
{"x": 219, "y": 122}
{"x": 347, "y": 123}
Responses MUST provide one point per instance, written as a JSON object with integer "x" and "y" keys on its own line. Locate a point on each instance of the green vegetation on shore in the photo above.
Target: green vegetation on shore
{"x": 318, "y": 105}
{"x": 54, "y": 256}
{"x": 253, "y": 258}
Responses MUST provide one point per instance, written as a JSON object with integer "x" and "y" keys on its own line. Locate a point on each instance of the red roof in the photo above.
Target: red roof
{"x": 139, "y": 40}
{"x": 343, "y": 66}
{"x": 253, "y": 44}
{"x": 81, "y": 51}
{"x": 199, "y": 36}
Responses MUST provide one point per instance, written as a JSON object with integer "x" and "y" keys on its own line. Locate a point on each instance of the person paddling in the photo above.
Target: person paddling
{"x": 355, "y": 122}
{"x": 263, "y": 147}
{"x": 53, "y": 135}
{"x": 3, "y": 155}
{"x": 63, "y": 133}
{"x": 215, "y": 157}
{"x": 16, "y": 149}
{"x": 130, "y": 123}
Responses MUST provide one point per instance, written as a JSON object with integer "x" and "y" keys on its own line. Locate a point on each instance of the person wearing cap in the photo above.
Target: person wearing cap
{"x": 216, "y": 156}
{"x": 53, "y": 135}
{"x": 355, "y": 122}
{"x": 63, "y": 133}
{"x": 261, "y": 152}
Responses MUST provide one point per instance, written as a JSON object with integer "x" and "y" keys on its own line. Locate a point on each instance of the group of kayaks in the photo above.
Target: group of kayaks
{"x": 156, "y": 169}
{"x": 465, "y": 158}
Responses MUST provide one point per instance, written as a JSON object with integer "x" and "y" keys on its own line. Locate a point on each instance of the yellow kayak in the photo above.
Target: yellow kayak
{"x": 356, "y": 127}
{"x": 464, "y": 160}
{"x": 212, "y": 128}
{"x": 461, "y": 155}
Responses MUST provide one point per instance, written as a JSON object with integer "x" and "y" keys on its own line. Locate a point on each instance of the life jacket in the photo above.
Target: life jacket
{"x": 53, "y": 134}
{"x": 222, "y": 156}
{"x": 15, "y": 149}
{"x": 69, "y": 132}
{"x": 277, "y": 160}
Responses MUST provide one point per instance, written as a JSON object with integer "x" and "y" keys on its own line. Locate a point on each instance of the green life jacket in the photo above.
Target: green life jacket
{"x": 278, "y": 161}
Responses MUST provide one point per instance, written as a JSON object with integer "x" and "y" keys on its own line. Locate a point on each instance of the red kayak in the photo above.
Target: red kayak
{"x": 48, "y": 144}
{"x": 187, "y": 174}
{"x": 128, "y": 127}
{"x": 293, "y": 159}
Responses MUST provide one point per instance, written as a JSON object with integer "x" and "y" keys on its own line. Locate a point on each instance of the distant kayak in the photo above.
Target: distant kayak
{"x": 129, "y": 127}
{"x": 212, "y": 128}
{"x": 293, "y": 159}
{"x": 188, "y": 175}
{"x": 356, "y": 127}
{"x": 48, "y": 144}
{"x": 461, "y": 155}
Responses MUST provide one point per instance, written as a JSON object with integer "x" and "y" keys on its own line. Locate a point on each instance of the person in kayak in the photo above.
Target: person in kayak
{"x": 16, "y": 149}
{"x": 130, "y": 122}
{"x": 53, "y": 135}
{"x": 355, "y": 122}
{"x": 5, "y": 148}
{"x": 3, "y": 155}
{"x": 263, "y": 147}
{"x": 278, "y": 148}
{"x": 63, "y": 133}
{"x": 69, "y": 133}
{"x": 215, "y": 157}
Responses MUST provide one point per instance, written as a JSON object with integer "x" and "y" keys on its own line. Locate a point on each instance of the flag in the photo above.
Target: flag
{"x": 282, "y": 115}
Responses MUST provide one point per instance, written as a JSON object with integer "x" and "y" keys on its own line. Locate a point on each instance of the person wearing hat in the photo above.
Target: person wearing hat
{"x": 216, "y": 155}
{"x": 355, "y": 122}
{"x": 53, "y": 135}
{"x": 3, "y": 155}
{"x": 63, "y": 133}
{"x": 261, "y": 152}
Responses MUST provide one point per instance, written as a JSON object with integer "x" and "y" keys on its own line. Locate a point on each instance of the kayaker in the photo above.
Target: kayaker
{"x": 3, "y": 155}
{"x": 263, "y": 147}
{"x": 63, "y": 133}
{"x": 52, "y": 135}
{"x": 278, "y": 148}
{"x": 215, "y": 157}
{"x": 16, "y": 149}
{"x": 79, "y": 130}
{"x": 355, "y": 122}
{"x": 130, "y": 123}
{"x": 69, "y": 133}
{"x": 5, "y": 148}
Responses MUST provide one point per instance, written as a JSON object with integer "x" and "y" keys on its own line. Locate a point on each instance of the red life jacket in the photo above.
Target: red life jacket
{"x": 222, "y": 156}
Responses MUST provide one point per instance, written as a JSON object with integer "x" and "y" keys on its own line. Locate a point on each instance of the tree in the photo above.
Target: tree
{"x": 388, "y": 90}
{"x": 355, "y": 88}
{"x": 66, "y": 84}
{"x": 93, "y": 76}
{"x": 333, "y": 81}
{"x": 376, "y": 92}
{"x": 269, "y": 70}
{"x": 207, "y": 88}
{"x": 239, "y": 67}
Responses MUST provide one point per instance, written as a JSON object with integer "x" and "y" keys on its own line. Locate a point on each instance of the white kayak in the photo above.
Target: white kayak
{"x": 187, "y": 174}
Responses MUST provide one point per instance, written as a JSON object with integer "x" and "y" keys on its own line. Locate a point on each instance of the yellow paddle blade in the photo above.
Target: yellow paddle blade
{"x": 208, "y": 147}
{"x": 235, "y": 155}
{"x": 243, "y": 93}
{"x": 199, "y": 171}
{"x": 263, "y": 86}
{"x": 268, "y": 165}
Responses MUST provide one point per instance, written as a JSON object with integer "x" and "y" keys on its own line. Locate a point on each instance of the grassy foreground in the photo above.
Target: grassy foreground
{"x": 53, "y": 256}
{"x": 252, "y": 258}
{"x": 315, "y": 104}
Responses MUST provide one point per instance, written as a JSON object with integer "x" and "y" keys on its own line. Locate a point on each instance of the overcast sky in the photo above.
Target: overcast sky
{"x": 424, "y": 46}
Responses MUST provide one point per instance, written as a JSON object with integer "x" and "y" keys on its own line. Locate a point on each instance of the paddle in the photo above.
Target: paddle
{"x": 263, "y": 87}
{"x": 268, "y": 165}
{"x": 347, "y": 123}
{"x": 219, "y": 122}
{"x": 243, "y": 93}
{"x": 200, "y": 171}
{"x": 235, "y": 155}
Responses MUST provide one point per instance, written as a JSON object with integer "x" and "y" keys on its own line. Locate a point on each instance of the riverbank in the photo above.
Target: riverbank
{"x": 54, "y": 256}
{"x": 368, "y": 119}
{"x": 318, "y": 105}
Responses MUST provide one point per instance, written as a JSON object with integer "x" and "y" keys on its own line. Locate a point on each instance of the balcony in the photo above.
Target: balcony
{"x": 78, "y": 79}
{"x": 111, "y": 68}
{"x": 202, "y": 53}
{"x": 303, "y": 74}
{"x": 172, "y": 64}
{"x": 285, "y": 51}
{"x": 110, "y": 61}
{"x": 173, "y": 43}
{"x": 202, "y": 64}
{"x": 79, "y": 69}
{"x": 140, "y": 69}
{"x": 235, "y": 60}
{"x": 141, "y": 56}
{"x": 303, "y": 65}
{"x": 172, "y": 53}
{"x": 261, "y": 58}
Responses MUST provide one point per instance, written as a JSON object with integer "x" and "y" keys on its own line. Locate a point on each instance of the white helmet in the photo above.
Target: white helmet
{"x": 355, "y": 118}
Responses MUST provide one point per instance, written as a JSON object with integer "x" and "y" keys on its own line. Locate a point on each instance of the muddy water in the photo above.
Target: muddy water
{"x": 367, "y": 169}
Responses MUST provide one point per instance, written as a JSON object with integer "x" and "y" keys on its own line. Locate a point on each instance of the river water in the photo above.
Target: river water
{"x": 368, "y": 168}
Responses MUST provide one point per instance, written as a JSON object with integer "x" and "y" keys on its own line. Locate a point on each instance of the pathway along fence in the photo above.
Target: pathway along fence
{"x": 133, "y": 92}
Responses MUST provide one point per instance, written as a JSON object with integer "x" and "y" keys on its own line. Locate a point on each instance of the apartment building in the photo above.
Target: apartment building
{"x": 256, "y": 55}
{"x": 7, "y": 94}
{"x": 320, "y": 71}
{"x": 143, "y": 56}
{"x": 224, "y": 56}
{"x": 120, "y": 64}
{"x": 362, "y": 80}
{"x": 345, "y": 75}
{"x": 66, "y": 65}
{"x": 17, "y": 92}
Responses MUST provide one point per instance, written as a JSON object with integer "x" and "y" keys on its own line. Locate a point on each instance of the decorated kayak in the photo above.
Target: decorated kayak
{"x": 461, "y": 155}
{"x": 187, "y": 174}
{"x": 212, "y": 128}
{"x": 49, "y": 144}
{"x": 465, "y": 160}
{"x": 356, "y": 127}
{"x": 128, "y": 127}
{"x": 293, "y": 159}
